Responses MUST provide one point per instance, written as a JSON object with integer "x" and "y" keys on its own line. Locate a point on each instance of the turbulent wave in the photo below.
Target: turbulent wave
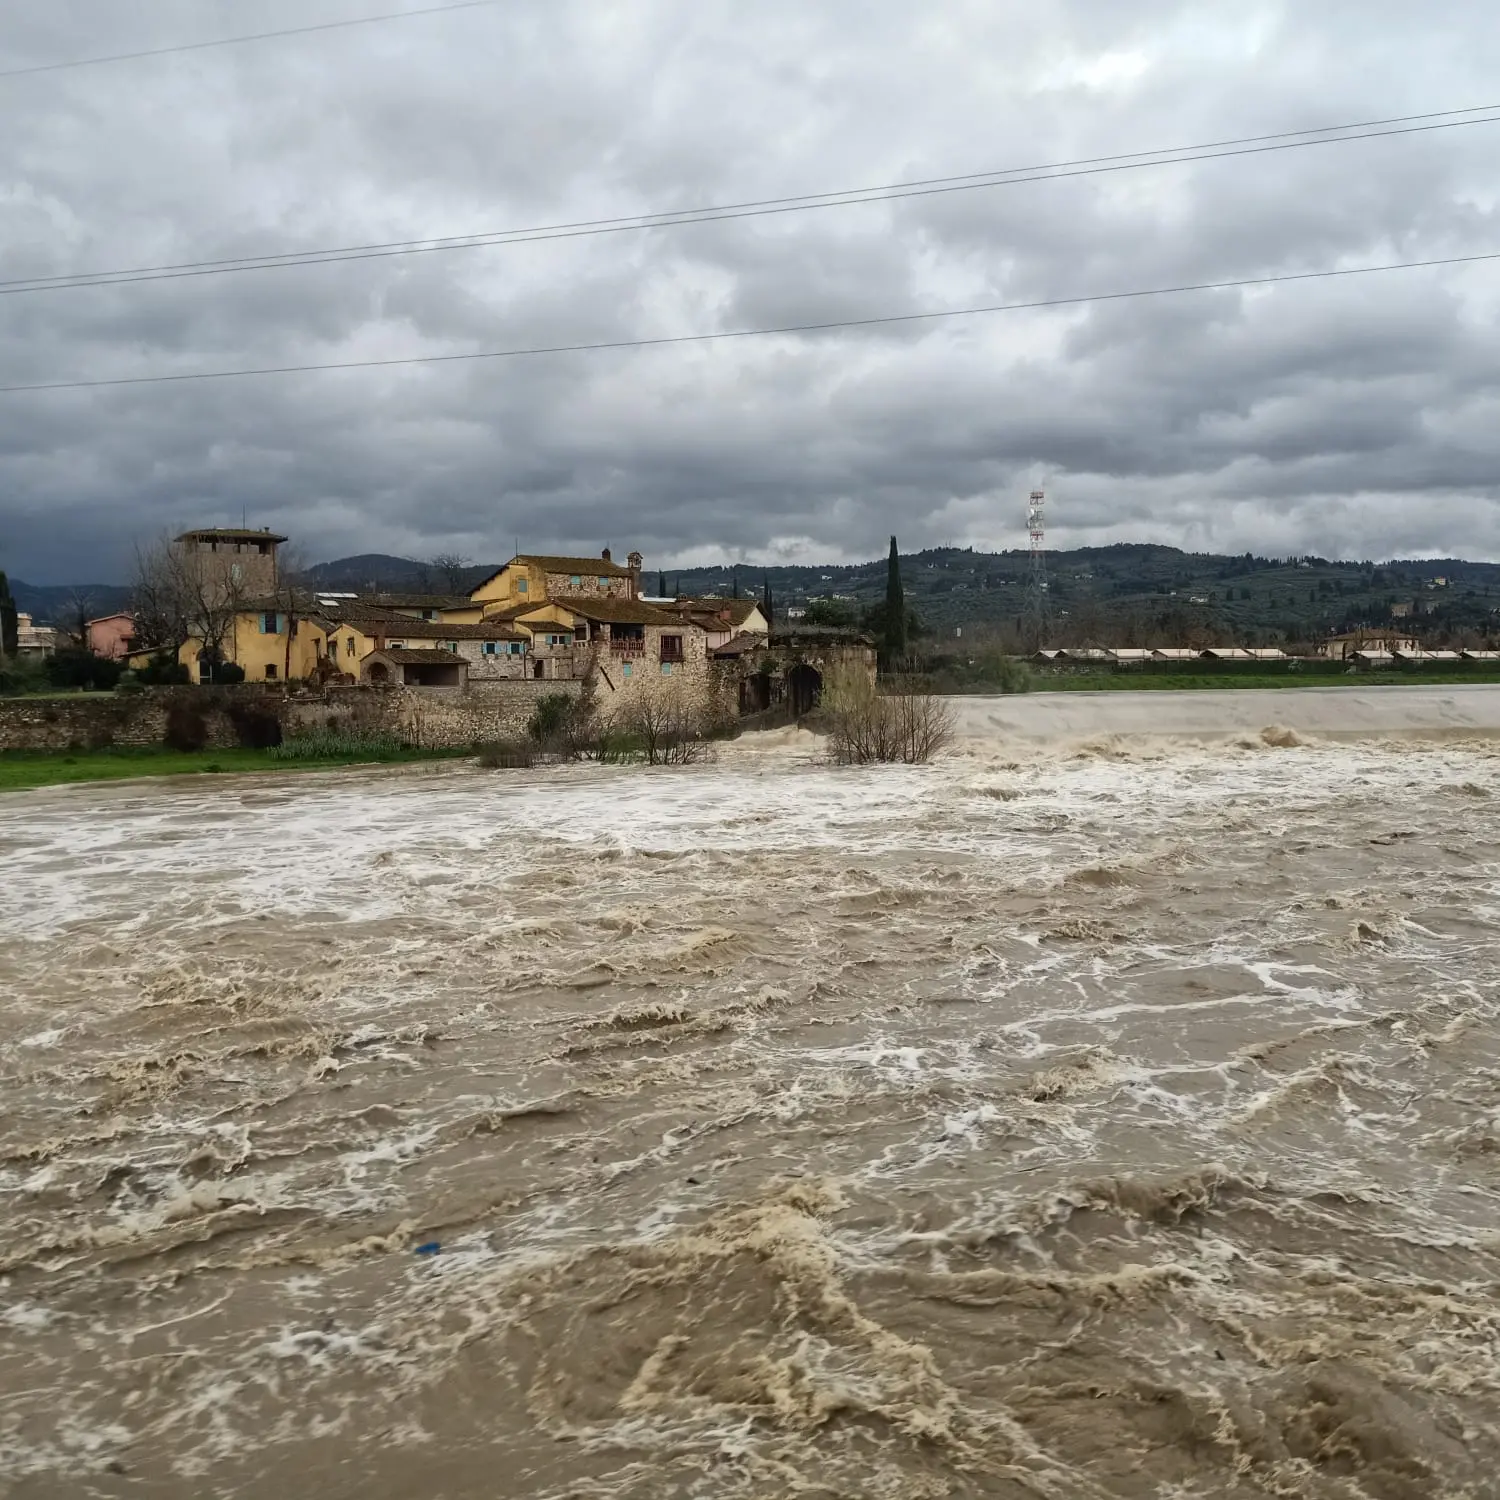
{"x": 1119, "y": 1121}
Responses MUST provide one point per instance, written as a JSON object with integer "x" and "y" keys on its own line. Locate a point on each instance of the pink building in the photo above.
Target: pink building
{"x": 110, "y": 635}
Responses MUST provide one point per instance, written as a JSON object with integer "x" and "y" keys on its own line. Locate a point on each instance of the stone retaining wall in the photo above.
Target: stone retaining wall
{"x": 434, "y": 718}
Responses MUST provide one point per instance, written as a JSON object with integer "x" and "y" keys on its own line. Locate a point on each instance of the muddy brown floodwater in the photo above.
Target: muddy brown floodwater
{"x": 1082, "y": 1122}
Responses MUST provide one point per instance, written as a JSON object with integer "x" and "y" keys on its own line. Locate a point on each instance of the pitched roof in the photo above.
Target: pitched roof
{"x": 738, "y": 610}
{"x": 742, "y": 644}
{"x": 515, "y": 611}
{"x": 408, "y": 627}
{"x": 617, "y": 611}
{"x": 414, "y": 601}
{"x": 228, "y": 534}
{"x": 584, "y": 567}
{"x": 599, "y": 567}
{"x": 420, "y": 657}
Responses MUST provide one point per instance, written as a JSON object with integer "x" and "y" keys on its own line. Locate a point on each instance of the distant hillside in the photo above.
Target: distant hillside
{"x": 1126, "y": 594}
{"x": 55, "y": 603}
{"x": 1129, "y": 592}
{"x": 379, "y": 570}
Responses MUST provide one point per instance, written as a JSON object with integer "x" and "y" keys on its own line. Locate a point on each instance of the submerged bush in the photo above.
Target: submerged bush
{"x": 506, "y": 755}
{"x": 895, "y": 722}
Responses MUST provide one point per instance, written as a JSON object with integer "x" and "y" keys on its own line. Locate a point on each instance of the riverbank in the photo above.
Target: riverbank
{"x": 23, "y": 769}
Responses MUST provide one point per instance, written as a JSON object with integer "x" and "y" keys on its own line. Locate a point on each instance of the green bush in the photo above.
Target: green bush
{"x": 549, "y": 719}
{"x": 130, "y": 685}
{"x": 229, "y": 674}
{"x": 324, "y": 744}
{"x": 20, "y": 674}
{"x": 164, "y": 671}
{"x": 256, "y": 725}
{"x": 75, "y": 668}
{"x": 187, "y": 728}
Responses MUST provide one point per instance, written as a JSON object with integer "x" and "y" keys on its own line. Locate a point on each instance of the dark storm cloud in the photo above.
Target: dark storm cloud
{"x": 1357, "y": 417}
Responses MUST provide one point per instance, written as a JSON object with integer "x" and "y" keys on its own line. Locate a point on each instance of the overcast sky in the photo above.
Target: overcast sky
{"x": 1356, "y": 417}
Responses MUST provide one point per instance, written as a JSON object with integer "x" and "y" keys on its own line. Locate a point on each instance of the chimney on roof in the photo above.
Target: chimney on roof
{"x": 606, "y": 555}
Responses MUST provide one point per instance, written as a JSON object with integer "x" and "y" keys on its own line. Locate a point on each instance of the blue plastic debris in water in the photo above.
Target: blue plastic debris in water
{"x": 430, "y": 1248}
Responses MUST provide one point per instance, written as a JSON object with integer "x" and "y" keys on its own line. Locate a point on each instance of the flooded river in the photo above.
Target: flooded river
{"x": 1093, "y": 1121}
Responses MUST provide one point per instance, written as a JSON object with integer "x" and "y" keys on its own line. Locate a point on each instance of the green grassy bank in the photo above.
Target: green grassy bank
{"x": 20, "y": 769}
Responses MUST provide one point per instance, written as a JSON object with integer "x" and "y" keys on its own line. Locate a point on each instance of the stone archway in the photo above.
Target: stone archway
{"x": 379, "y": 672}
{"x": 804, "y": 687}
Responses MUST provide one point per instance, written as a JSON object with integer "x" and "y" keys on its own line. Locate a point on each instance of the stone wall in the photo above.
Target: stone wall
{"x": 434, "y": 718}
{"x": 615, "y": 586}
{"x": 99, "y": 721}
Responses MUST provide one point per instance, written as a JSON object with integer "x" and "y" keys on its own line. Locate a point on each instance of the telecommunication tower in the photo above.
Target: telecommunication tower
{"x": 1038, "y": 617}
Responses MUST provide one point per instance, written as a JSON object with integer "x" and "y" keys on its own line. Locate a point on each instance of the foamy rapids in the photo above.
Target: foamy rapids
{"x": 1080, "y": 1121}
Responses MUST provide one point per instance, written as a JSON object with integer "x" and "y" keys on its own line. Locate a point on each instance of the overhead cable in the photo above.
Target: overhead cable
{"x": 726, "y": 335}
{"x": 887, "y": 192}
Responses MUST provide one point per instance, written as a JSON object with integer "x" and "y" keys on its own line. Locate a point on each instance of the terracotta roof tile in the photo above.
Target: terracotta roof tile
{"x": 409, "y": 656}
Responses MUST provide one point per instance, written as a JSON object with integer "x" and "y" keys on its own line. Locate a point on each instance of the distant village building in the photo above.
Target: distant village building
{"x": 239, "y": 561}
{"x": 33, "y": 639}
{"x": 112, "y": 635}
{"x": 1363, "y": 643}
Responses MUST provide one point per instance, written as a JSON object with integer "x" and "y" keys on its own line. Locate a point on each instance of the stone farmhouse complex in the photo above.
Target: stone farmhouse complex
{"x": 538, "y": 619}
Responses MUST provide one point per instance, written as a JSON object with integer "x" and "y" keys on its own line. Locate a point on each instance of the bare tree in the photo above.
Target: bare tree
{"x": 77, "y": 613}
{"x": 451, "y": 567}
{"x": 672, "y": 718}
{"x": 176, "y": 599}
{"x": 291, "y": 599}
{"x": 896, "y": 721}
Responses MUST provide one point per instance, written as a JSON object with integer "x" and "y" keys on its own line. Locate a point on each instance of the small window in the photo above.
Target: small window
{"x": 270, "y": 671}
{"x": 349, "y": 646}
{"x": 522, "y": 586}
{"x": 666, "y": 669}
{"x": 490, "y": 647}
{"x": 603, "y": 582}
{"x": 627, "y": 669}
{"x": 263, "y": 548}
{"x": 398, "y": 645}
{"x": 577, "y": 581}
{"x": 453, "y": 646}
{"x": 270, "y": 624}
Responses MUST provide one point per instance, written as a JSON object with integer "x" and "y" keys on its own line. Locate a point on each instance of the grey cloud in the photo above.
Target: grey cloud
{"x": 1347, "y": 417}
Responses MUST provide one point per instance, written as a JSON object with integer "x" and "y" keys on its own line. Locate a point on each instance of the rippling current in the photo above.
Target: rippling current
{"x": 1085, "y": 1122}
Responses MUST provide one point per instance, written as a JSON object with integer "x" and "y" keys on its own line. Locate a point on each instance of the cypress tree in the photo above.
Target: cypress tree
{"x": 734, "y": 592}
{"x": 10, "y": 626}
{"x": 765, "y": 607}
{"x": 661, "y": 585}
{"x": 895, "y": 610}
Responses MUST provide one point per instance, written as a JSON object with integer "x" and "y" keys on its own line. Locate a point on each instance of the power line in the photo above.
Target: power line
{"x": 755, "y": 208}
{"x": 254, "y": 36}
{"x": 833, "y": 325}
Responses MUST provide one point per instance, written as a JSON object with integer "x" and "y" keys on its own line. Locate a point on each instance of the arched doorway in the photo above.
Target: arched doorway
{"x": 755, "y": 693}
{"x": 804, "y": 686}
{"x": 379, "y": 672}
{"x": 538, "y": 669}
